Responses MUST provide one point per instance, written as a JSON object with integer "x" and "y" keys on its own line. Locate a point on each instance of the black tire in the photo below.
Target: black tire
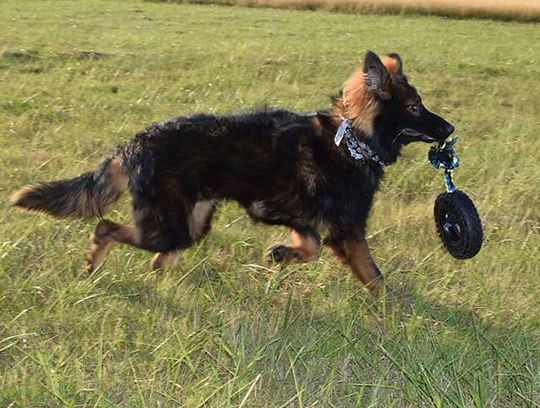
{"x": 458, "y": 224}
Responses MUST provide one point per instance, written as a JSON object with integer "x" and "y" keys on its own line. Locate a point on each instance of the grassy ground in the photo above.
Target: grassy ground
{"x": 225, "y": 328}
{"x": 515, "y": 10}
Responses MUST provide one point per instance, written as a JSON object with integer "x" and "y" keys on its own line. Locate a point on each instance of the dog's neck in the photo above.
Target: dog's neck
{"x": 373, "y": 147}
{"x": 358, "y": 147}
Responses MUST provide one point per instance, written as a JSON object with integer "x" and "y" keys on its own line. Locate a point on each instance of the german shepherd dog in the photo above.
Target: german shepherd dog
{"x": 284, "y": 168}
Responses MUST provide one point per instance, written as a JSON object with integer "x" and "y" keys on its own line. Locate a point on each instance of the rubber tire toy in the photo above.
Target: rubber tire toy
{"x": 458, "y": 224}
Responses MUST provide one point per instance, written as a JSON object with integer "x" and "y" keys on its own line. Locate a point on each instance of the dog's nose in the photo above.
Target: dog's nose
{"x": 448, "y": 129}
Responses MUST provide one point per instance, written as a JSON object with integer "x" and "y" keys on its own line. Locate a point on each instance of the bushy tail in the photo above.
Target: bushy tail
{"x": 88, "y": 195}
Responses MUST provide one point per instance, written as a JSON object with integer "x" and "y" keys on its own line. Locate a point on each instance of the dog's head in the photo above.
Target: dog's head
{"x": 382, "y": 104}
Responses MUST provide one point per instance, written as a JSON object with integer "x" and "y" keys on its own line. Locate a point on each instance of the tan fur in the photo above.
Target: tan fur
{"x": 197, "y": 225}
{"x": 392, "y": 65}
{"x": 358, "y": 105}
{"x": 199, "y": 215}
{"x": 165, "y": 260}
{"x": 97, "y": 252}
{"x": 355, "y": 254}
{"x": 85, "y": 203}
{"x": 17, "y": 196}
{"x": 118, "y": 177}
{"x": 362, "y": 265}
{"x": 305, "y": 248}
{"x": 118, "y": 180}
{"x": 105, "y": 235}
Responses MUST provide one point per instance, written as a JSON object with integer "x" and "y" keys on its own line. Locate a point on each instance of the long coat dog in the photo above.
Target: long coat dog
{"x": 314, "y": 173}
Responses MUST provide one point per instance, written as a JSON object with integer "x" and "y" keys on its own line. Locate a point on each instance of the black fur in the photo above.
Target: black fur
{"x": 282, "y": 167}
{"x": 274, "y": 163}
{"x": 87, "y": 195}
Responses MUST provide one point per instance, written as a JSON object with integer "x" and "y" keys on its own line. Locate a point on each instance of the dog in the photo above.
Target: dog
{"x": 314, "y": 172}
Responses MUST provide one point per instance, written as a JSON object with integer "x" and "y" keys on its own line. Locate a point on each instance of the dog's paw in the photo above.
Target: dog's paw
{"x": 280, "y": 254}
{"x": 90, "y": 263}
{"x": 164, "y": 260}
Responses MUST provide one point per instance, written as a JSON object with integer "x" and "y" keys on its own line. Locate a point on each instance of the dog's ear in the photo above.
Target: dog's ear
{"x": 393, "y": 64}
{"x": 376, "y": 78}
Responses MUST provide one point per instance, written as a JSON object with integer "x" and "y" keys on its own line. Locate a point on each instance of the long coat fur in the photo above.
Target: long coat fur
{"x": 282, "y": 167}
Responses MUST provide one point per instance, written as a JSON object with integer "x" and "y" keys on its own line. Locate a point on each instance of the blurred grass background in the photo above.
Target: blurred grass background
{"x": 225, "y": 328}
{"x": 515, "y": 10}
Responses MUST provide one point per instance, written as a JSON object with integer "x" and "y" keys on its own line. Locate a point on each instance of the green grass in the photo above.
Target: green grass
{"x": 225, "y": 328}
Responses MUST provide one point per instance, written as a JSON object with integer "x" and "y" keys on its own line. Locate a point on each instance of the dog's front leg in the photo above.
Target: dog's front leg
{"x": 355, "y": 254}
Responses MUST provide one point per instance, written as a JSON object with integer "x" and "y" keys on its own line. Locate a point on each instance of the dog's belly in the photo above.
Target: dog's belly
{"x": 294, "y": 214}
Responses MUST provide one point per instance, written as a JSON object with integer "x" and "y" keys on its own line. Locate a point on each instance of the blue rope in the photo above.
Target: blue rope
{"x": 443, "y": 156}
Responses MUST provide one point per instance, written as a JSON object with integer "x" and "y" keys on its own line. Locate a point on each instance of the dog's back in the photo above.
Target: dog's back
{"x": 243, "y": 156}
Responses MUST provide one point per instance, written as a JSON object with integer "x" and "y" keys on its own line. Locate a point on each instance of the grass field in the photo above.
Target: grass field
{"x": 226, "y": 328}
{"x": 515, "y": 10}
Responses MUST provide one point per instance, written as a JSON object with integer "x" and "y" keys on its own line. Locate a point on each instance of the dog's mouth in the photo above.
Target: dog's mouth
{"x": 416, "y": 135}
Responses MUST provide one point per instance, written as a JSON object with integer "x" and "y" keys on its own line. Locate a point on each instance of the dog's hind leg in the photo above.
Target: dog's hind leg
{"x": 336, "y": 248}
{"x": 355, "y": 253}
{"x": 165, "y": 260}
{"x": 304, "y": 247}
{"x": 104, "y": 236}
{"x": 199, "y": 223}
{"x": 157, "y": 229}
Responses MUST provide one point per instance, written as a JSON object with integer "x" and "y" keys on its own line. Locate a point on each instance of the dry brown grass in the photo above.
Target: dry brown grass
{"x": 516, "y": 10}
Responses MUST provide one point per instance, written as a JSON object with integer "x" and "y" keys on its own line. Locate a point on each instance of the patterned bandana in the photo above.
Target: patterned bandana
{"x": 358, "y": 149}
